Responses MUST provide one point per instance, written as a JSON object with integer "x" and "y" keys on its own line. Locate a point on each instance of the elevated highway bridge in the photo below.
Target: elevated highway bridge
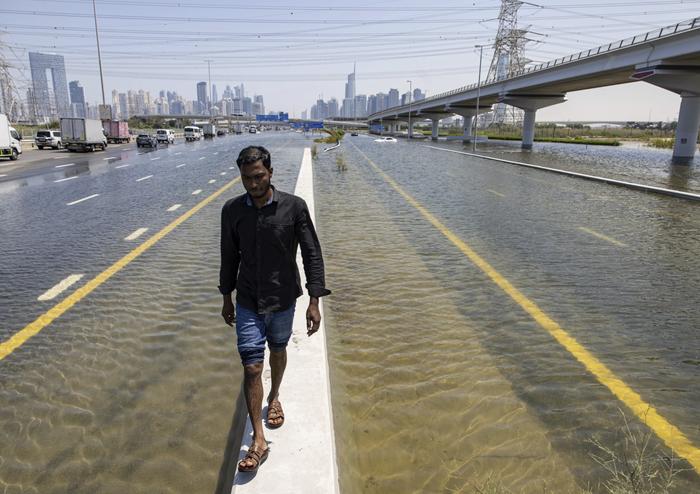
{"x": 667, "y": 57}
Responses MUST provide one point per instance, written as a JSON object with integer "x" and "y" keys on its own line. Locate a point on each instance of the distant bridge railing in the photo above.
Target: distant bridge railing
{"x": 593, "y": 52}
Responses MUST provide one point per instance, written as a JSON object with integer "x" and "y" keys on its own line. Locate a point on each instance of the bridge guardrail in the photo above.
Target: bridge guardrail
{"x": 593, "y": 52}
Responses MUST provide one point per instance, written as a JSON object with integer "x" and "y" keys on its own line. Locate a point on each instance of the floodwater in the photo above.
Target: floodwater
{"x": 440, "y": 381}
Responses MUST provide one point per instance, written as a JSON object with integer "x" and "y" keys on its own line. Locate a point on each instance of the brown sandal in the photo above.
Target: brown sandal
{"x": 275, "y": 412}
{"x": 254, "y": 456}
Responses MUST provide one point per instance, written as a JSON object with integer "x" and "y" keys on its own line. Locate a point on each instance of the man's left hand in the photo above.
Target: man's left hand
{"x": 313, "y": 317}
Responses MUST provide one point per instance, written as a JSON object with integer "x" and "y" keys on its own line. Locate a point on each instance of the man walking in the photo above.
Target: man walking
{"x": 260, "y": 232}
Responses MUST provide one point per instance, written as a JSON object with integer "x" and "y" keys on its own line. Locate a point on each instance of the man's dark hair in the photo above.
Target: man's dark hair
{"x": 253, "y": 154}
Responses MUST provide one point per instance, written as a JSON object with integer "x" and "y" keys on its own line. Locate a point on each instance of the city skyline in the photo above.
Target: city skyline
{"x": 291, "y": 60}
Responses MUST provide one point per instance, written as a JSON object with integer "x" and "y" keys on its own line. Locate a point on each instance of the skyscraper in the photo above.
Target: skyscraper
{"x": 349, "y": 100}
{"x": 214, "y": 95}
{"x": 258, "y": 100}
{"x": 54, "y": 102}
{"x": 393, "y": 98}
{"x": 202, "y": 98}
{"x": 77, "y": 98}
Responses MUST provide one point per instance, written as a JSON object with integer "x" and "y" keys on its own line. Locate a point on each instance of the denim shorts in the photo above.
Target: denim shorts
{"x": 253, "y": 329}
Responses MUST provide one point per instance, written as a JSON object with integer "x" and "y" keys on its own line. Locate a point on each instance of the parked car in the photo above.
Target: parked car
{"x": 354, "y": 134}
{"x": 145, "y": 140}
{"x": 221, "y": 132}
{"x": 48, "y": 138}
{"x": 386, "y": 139}
{"x": 165, "y": 135}
{"x": 193, "y": 133}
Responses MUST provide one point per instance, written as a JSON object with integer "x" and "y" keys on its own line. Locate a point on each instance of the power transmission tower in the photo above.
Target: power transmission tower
{"x": 508, "y": 57}
{"x": 9, "y": 102}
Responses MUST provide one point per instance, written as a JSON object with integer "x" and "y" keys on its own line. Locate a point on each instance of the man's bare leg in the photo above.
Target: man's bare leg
{"x": 278, "y": 363}
{"x": 253, "y": 390}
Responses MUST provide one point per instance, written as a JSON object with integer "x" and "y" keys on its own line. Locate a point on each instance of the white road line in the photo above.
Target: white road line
{"x": 63, "y": 166}
{"x": 494, "y": 192}
{"x": 174, "y": 207}
{"x": 216, "y": 152}
{"x": 3, "y": 174}
{"x": 52, "y": 293}
{"x": 110, "y": 158}
{"x": 136, "y": 234}
{"x": 81, "y": 200}
{"x": 65, "y": 179}
{"x": 57, "y": 157}
{"x": 231, "y": 167}
{"x": 120, "y": 166}
{"x": 203, "y": 157}
{"x": 196, "y": 192}
{"x": 144, "y": 178}
{"x": 176, "y": 154}
{"x": 212, "y": 181}
{"x": 222, "y": 173}
{"x": 180, "y": 165}
{"x": 157, "y": 158}
{"x": 601, "y": 236}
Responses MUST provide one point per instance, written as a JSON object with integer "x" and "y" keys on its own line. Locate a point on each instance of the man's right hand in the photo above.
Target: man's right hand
{"x": 228, "y": 312}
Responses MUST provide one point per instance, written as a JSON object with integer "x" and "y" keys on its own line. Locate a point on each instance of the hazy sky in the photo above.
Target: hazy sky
{"x": 294, "y": 52}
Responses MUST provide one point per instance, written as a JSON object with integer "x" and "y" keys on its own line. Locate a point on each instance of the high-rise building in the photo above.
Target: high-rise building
{"x": 304, "y": 115}
{"x": 214, "y": 95}
{"x": 50, "y": 102}
{"x": 393, "y": 98}
{"x": 258, "y": 99}
{"x": 77, "y": 99}
{"x": 418, "y": 95}
{"x": 202, "y": 98}
{"x": 372, "y": 104}
{"x": 333, "y": 109}
{"x": 247, "y": 104}
{"x": 381, "y": 101}
{"x": 360, "y": 106}
{"x": 348, "y": 110}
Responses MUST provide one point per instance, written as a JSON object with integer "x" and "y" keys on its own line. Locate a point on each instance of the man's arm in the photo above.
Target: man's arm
{"x": 230, "y": 261}
{"x": 313, "y": 266}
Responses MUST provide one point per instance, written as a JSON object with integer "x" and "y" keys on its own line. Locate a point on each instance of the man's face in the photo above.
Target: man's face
{"x": 256, "y": 179}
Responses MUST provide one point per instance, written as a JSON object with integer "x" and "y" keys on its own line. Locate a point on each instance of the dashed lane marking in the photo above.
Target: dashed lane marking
{"x": 203, "y": 158}
{"x": 174, "y": 207}
{"x": 20, "y": 337}
{"x": 665, "y": 430}
{"x": 177, "y": 154}
{"x": 120, "y": 166}
{"x": 144, "y": 178}
{"x": 222, "y": 173}
{"x": 602, "y": 237}
{"x": 63, "y": 166}
{"x": 156, "y": 158}
{"x": 83, "y": 199}
{"x": 65, "y": 179}
{"x": 198, "y": 191}
{"x": 56, "y": 290}
{"x": 181, "y": 165}
{"x": 494, "y": 192}
{"x": 110, "y": 158}
{"x": 212, "y": 181}
{"x": 136, "y": 234}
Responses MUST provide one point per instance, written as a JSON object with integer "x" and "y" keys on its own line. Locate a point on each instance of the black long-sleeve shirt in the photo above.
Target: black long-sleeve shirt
{"x": 259, "y": 248}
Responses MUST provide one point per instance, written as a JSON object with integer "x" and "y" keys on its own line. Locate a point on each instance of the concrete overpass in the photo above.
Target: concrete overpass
{"x": 667, "y": 57}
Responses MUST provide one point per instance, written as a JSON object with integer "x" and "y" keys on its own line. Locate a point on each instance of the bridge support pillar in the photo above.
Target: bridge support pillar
{"x": 434, "y": 134}
{"x": 687, "y": 130}
{"x": 684, "y": 80}
{"x": 410, "y": 129}
{"x": 467, "y": 127}
{"x": 528, "y": 129}
{"x": 531, "y": 103}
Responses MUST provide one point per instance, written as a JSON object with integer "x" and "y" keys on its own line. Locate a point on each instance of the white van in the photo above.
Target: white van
{"x": 10, "y": 140}
{"x": 193, "y": 133}
{"x": 165, "y": 135}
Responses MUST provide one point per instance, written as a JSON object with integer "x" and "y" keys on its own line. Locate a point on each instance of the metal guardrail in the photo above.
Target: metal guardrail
{"x": 582, "y": 55}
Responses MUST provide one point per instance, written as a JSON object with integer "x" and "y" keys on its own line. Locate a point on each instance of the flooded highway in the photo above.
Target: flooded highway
{"x": 441, "y": 380}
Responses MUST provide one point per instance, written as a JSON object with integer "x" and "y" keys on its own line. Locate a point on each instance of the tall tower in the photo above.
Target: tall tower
{"x": 52, "y": 101}
{"x": 508, "y": 56}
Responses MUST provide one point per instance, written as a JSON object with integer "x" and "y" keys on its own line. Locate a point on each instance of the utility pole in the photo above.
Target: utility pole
{"x": 210, "y": 89}
{"x": 409, "y": 134}
{"x": 99, "y": 56}
{"x": 478, "y": 94}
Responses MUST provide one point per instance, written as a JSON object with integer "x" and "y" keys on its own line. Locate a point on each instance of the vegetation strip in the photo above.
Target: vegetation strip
{"x": 666, "y": 431}
{"x": 611, "y": 181}
{"x": 31, "y": 329}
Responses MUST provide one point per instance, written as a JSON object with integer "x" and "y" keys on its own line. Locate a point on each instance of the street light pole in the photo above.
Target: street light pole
{"x": 478, "y": 94}
{"x": 99, "y": 56}
{"x": 410, "y": 98}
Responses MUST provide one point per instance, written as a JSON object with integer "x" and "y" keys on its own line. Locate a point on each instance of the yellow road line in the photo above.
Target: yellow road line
{"x": 601, "y": 236}
{"x": 494, "y": 192}
{"x": 31, "y": 329}
{"x": 666, "y": 431}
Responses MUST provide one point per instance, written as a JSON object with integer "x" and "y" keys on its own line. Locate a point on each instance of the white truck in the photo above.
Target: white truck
{"x": 209, "y": 130}
{"x": 10, "y": 140}
{"x": 192, "y": 133}
{"x": 82, "y": 134}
